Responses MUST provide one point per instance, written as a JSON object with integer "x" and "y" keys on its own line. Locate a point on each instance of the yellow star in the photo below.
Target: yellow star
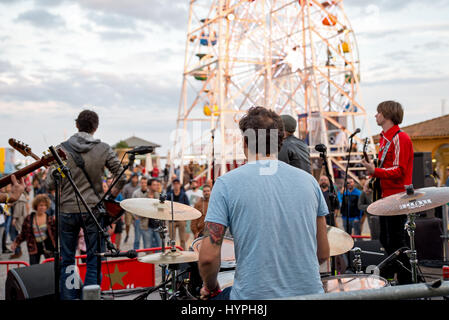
{"x": 116, "y": 277}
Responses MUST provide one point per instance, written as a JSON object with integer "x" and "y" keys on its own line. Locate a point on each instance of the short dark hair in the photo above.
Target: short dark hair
{"x": 150, "y": 182}
{"x": 261, "y": 118}
{"x": 391, "y": 110}
{"x": 207, "y": 186}
{"x": 87, "y": 121}
{"x": 41, "y": 198}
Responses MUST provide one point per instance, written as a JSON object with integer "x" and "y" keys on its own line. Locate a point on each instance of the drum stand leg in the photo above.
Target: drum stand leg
{"x": 445, "y": 235}
{"x": 357, "y": 262}
{"x": 410, "y": 226}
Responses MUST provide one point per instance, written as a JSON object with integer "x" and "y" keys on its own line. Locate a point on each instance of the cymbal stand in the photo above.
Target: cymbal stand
{"x": 357, "y": 262}
{"x": 445, "y": 235}
{"x": 333, "y": 203}
{"x": 163, "y": 291}
{"x": 410, "y": 226}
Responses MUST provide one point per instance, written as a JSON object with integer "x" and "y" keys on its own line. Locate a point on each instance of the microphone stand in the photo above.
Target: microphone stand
{"x": 213, "y": 155}
{"x": 130, "y": 163}
{"x": 333, "y": 201}
{"x": 56, "y": 253}
{"x": 345, "y": 189}
{"x": 65, "y": 172}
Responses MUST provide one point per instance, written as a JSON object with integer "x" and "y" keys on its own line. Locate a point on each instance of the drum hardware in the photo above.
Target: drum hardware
{"x": 161, "y": 209}
{"x": 410, "y": 226}
{"x": 333, "y": 199}
{"x": 410, "y": 202}
{"x": 357, "y": 262}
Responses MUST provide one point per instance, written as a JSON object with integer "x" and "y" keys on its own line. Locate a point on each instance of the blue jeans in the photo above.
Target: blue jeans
{"x": 70, "y": 224}
{"x": 13, "y": 234}
{"x": 353, "y": 224}
{"x": 151, "y": 238}
{"x": 137, "y": 234}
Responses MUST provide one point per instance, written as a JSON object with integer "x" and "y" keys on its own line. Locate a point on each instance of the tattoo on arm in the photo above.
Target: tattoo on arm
{"x": 215, "y": 232}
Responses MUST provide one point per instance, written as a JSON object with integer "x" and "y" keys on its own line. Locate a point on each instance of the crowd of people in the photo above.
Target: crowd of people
{"x": 26, "y": 219}
{"x": 269, "y": 215}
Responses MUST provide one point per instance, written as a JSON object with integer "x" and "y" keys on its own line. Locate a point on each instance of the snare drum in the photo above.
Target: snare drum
{"x": 227, "y": 252}
{"x": 353, "y": 282}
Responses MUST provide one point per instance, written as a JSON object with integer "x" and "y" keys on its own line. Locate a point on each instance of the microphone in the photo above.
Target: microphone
{"x": 391, "y": 257}
{"x": 355, "y": 132}
{"x": 141, "y": 150}
{"x": 320, "y": 147}
{"x": 129, "y": 254}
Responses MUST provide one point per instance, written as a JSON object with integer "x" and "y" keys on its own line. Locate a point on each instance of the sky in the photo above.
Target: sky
{"x": 124, "y": 59}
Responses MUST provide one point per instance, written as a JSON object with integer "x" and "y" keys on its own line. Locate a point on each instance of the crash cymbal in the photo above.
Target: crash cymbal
{"x": 401, "y": 203}
{"x": 170, "y": 257}
{"x": 153, "y": 208}
{"x": 339, "y": 241}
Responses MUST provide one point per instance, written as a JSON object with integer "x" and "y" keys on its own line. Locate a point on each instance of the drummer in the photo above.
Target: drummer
{"x": 276, "y": 214}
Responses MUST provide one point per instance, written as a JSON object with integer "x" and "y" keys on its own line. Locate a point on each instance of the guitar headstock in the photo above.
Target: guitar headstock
{"x": 48, "y": 159}
{"x": 21, "y": 147}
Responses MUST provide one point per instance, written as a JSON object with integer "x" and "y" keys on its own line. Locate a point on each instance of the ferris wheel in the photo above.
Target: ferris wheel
{"x": 295, "y": 57}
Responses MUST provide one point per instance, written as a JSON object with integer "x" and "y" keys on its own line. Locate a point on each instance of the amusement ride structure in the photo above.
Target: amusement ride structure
{"x": 295, "y": 57}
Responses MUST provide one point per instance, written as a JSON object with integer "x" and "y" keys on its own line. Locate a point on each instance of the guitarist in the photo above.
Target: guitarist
{"x": 16, "y": 191}
{"x": 394, "y": 172}
{"x": 95, "y": 156}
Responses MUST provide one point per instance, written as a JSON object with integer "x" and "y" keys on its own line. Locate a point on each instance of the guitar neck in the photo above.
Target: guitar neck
{"x": 21, "y": 173}
{"x": 34, "y": 156}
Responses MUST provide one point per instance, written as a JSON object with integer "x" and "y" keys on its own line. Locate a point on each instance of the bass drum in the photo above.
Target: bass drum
{"x": 353, "y": 282}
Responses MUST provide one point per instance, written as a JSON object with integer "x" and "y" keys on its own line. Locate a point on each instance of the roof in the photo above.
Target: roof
{"x": 137, "y": 142}
{"x": 433, "y": 128}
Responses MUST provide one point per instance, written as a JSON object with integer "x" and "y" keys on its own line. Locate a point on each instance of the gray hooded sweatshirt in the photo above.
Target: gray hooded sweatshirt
{"x": 96, "y": 155}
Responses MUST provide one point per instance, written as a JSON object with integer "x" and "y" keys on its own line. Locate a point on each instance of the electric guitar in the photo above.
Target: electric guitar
{"x": 374, "y": 183}
{"x": 23, "y": 148}
{"x": 46, "y": 160}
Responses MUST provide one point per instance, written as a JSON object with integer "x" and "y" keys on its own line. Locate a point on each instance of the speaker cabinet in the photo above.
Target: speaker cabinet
{"x": 428, "y": 241}
{"x": 34, "y": 282}
{"x": 422, "y": 170}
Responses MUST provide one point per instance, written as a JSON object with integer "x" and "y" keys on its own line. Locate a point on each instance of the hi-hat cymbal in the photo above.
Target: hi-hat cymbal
{"x": 170, "y": 257}
{"x": 339, "y": 241}
{"x": 401, "y": 203}
{"x": 153, "y": 208}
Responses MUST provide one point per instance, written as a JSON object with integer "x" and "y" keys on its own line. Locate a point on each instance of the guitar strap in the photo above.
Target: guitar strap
{"x": 387, "y": 146}
{"x": 79, "y": 161}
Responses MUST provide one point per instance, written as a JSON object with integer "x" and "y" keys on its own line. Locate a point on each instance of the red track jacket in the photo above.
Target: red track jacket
{"x": 397, "y": 169}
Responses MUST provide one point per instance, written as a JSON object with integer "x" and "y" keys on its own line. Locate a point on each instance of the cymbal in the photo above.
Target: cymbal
{"x": 339, "y": 241}
{"x": 170, "y": 257}
{"x": 153, "y": 208}
{"x": 421, "y": 200}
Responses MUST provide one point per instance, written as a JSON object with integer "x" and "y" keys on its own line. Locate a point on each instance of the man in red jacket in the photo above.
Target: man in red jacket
{"x": 396, "y": 151}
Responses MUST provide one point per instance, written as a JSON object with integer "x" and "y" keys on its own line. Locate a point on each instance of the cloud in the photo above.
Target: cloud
{"x": 406, "y": 30}
{"x": 389, "y": 5}
{"x": 406, "y": 81}
{"x": 120, "y": 35}
{"x": 168, "y": 14}
{"x": 114, "y": 21}
{"x": 76, "y": 88}
{"x": 6, "y": 66}
{"x": 41, "y": 19}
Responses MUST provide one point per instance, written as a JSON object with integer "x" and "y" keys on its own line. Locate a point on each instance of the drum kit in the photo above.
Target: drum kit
{"x": 409, "y": 202}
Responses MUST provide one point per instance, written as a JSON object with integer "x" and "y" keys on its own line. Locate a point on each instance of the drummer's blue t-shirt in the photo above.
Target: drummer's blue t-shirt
{"x": 271, "y": 209}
